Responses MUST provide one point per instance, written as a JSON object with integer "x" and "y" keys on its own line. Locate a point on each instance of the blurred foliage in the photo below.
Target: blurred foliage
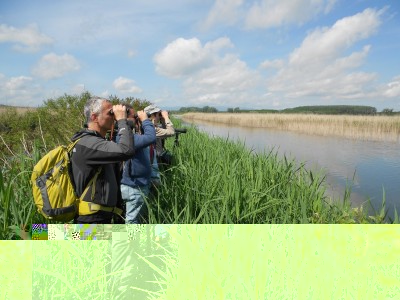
{"x": 53, "y": 123}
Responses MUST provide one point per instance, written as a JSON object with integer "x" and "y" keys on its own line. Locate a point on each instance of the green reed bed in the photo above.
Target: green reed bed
{"x": 71, "y": 270}
{"x": 15, "y": 270}
{"x": 17, "y": 209}
{"x": 212, "y": 180}
{"x": 215, "y": 180}
{"x": 278, "y": 262}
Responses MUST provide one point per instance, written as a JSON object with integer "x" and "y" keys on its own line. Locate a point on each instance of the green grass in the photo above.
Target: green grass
{"x": 215, "y": 181}
{"x": 212, "y": 181}
{"x": 17, "y": 210}
{"x": 279, "y": 262}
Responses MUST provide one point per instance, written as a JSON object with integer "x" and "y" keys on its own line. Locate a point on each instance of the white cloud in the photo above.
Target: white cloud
{"x": 105, "y": 94}
{"x": 274, "y": 64}
{"x": 19, "y": 91}
{"x": 17, "y": 83}
{"x": 28, "y": 39}
{"x": 317, "y": 67}
{"x": 210, "y": 75}
{"x": 229, "y": 80}
{"x": 271, "y": 13}
{"x": 53, "y": 66}
{"x": 78, "y": 89}
{"x": 392, "y": 89}
{"x": 126, "y": 85}
{"x": 223, "y": 11}
{"x": 327, "y": 43}
{"x": 183, "y": 57}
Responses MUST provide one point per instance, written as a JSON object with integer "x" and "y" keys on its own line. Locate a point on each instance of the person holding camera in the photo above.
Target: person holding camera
{"x": 93, "y": 155}
{"x": 164, "y": 129}
{"x": 136, "y": 174}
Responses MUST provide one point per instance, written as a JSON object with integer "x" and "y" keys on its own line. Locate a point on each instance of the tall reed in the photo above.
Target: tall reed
{"x": 17, "y": 210}
{"x": 378, "y": 128}
{"x": 71, "y": 270}
{"x": 279, "y": 262}
{"x": 215, "y": 180}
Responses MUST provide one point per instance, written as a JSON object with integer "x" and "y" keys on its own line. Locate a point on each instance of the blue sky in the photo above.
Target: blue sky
{"x": 226, "y": 53}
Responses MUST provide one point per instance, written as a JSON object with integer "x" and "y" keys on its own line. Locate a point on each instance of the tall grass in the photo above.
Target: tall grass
{"x": 279, "y": 262}
{"x": 17, "y": 210}
{"x": 212, "y": 181}
{"x": 71, "y": 270}
{"x": 377, "y": 128}
{"x": 102, "y": 269}
{"x": 16, "y": 270}
{"x": 215, "y": 180}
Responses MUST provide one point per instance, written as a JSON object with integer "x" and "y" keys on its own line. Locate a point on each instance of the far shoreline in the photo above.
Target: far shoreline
{"x": 370, "y": 128}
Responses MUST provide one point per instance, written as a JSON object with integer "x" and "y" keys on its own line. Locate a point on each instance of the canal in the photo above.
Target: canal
{"x": 371, "y": 169}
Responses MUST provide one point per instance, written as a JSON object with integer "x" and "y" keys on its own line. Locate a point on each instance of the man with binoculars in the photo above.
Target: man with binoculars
{"x": 96, "y": 157}
{"x": 164, "y": 128}
{"x": 136, "y": 174}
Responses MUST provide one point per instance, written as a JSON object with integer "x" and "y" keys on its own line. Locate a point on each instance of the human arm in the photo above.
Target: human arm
{"x": 148, "y": 137}
{"x": 95, "y": 150}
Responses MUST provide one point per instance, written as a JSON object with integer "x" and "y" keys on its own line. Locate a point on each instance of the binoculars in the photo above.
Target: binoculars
{"x": 135, "y": 115}
{"x": 111, "y": 112}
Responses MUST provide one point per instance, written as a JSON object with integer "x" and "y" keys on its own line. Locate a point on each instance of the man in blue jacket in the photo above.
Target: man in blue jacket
{"x": 136, "y": 174}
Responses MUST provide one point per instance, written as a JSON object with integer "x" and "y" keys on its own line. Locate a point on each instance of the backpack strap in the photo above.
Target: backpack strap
{"x": 86, "y": 207}
{"x": 71, "y": 145}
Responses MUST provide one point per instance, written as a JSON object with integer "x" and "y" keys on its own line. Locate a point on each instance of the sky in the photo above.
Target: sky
{"x": 264, "y": 54}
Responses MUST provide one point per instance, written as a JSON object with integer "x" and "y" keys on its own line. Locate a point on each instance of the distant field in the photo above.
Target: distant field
{"x": 20, "y": 109}
{"x": 376, "y": 128}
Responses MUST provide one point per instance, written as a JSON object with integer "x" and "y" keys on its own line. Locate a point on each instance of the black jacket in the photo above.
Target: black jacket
{"x": 92, "y": 152}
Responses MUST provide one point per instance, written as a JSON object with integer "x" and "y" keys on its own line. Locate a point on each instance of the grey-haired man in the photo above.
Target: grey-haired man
{"x": 93, "y": 153}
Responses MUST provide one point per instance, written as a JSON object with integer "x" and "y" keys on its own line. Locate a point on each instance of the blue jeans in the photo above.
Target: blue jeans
{"x": 135, "y": 205}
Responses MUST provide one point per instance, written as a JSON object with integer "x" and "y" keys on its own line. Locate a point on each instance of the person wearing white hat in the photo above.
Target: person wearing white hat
{"x": 163, "y": 131}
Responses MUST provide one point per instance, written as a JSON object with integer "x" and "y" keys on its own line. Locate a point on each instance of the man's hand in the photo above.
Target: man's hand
{"x": 164, "y": 114}
{"x": 119, "y": 112}
{"x": 142, "y": 115}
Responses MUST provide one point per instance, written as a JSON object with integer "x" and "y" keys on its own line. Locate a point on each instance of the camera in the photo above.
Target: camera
{"x": 180, "y": 130}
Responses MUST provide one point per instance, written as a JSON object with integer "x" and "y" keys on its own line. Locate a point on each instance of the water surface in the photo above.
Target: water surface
{"x": 374, "y": 166}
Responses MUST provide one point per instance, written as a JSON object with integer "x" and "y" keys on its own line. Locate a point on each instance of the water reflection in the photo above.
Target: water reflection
{"x": 374, "y": 166}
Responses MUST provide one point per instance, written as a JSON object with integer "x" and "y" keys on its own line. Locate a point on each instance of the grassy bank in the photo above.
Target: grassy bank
{"x": 376, "y": 128}
{"x": 212, "y": 181}
{"x": 219, "y": 181}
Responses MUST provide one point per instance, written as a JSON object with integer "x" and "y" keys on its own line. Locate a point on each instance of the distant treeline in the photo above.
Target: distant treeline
{"x": 333, "y": 110}
{"x": 317, "y": 109}
{"x": 206, "y": 109}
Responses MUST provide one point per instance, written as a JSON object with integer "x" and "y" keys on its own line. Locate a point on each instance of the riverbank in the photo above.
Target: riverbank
{"x": 211, "y": 181}
{"x": 371, "y": 128}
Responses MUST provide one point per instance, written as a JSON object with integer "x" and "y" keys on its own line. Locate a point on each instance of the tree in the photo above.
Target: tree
{"x": 387, "y": 111}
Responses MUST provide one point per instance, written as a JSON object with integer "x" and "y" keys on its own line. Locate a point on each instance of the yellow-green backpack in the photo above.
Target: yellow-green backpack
{"x": 53, "y": 191}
